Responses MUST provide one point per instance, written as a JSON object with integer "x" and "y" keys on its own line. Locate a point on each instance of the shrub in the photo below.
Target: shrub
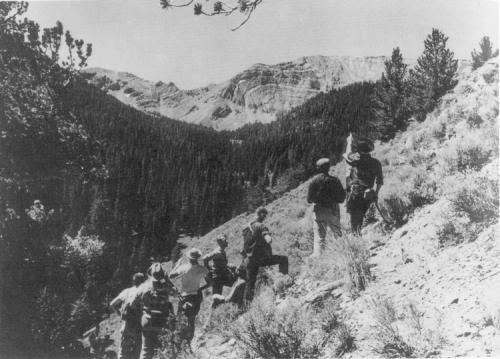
{"x": 477, "y": 197}
{"x": 469, "y": 151}
{"x": 354, "y": 255}
{"x": 449, "y": 234}
{"x": 83, "y": 249}
{"x": 390, "y": 325}
{"x": 291, "y": 331}
{"x": 398, "y": 208}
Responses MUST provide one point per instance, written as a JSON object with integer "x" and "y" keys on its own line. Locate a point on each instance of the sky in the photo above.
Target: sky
{"x": 138, "y": 36}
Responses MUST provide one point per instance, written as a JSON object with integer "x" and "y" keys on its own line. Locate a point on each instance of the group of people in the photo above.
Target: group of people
{"x": 145, "y": 307}
{"x": 363, "y": 183}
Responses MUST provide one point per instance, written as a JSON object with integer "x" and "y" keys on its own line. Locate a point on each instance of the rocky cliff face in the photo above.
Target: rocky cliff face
{"x": 254, "y": 95}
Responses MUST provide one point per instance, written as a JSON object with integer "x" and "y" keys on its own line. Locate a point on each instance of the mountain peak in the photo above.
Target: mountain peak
{"x": 256, "y": 94}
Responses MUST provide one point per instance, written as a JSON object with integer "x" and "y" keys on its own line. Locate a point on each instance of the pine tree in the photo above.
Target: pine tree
{"x": 485, "y": 53}
{"x": 433, "y": 75}
{"x": 390, "y": 104}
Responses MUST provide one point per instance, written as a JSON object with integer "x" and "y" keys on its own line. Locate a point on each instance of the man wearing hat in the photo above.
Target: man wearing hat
{"x": 257, "y": 252}
{"x": 191, "y": 276}
{"x": 365, "y": 172}
{"x": 326, "y": 192}
{"x": 153, "y": 299}
{"x": 221, "y": 275}
{"x": 123, "y": 305}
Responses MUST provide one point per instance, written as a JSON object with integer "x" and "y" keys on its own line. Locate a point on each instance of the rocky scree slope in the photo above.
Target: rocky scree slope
{"x": 254, "y": 95}
{"x": 436, "y": 279}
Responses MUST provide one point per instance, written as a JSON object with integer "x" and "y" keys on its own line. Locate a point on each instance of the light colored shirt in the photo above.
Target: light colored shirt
{"x": 126, "y": 296}
{"x": 191, "y": 276}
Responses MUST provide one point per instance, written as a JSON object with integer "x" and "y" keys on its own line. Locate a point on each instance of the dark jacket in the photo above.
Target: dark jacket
{"x": 365, "y": 171}
{"x": 325, "y": 190}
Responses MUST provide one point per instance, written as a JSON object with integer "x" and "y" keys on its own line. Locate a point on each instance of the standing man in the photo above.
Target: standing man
{"x": 153, "y": 298}
{"x": 191, "y": 276}
{"x": 258, "y": 253}
{"x": 123, "y": 305}
{"x": 365, "y": 172}
{"x": 326, "y": 192}
{"x": 221, "y": 275}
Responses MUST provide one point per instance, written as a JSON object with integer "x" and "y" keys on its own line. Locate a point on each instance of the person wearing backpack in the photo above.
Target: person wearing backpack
{"x": 365, "y": 172}
{"x": 257, "y": 252}
{"x": 153, "y": 298}
{"x": 325, "y": 192}
{"x": 130, "y": 332}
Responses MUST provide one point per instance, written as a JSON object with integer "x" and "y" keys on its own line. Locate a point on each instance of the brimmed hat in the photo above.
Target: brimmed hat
{"x": 365, "y": 145}
{"x": 193, "y": 253}
{"x": 322, "y": 162}
{"x": 156, "y": 272}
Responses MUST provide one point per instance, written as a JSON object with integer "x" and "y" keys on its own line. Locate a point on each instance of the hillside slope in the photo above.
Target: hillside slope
{"x": 436, "y": 278}
{"x": 254, "y": 95}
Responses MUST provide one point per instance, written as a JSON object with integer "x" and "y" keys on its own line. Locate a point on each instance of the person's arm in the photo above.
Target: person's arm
{"x": 309, "y": 192}
{"x": 116, "y": 304}
{"x": 379, "y": 178}
{"x": 176, "y": 272}
{"x": 266, "y": 235}
{"x": 340, "y": 191}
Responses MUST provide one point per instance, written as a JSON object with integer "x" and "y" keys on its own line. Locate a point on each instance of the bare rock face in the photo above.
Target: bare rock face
{"x": 254, "y": 95}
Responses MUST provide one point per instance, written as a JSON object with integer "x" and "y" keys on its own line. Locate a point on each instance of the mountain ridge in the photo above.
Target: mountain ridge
{"x": 256, "y": 94}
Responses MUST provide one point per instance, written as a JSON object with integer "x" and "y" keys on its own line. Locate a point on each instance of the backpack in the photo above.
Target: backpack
{"x": 320, "y": 193}
{"x": 250, "y": 244}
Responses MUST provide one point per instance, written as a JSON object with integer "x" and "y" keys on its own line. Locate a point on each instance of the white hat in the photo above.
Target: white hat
{"x": 322, "y": 162}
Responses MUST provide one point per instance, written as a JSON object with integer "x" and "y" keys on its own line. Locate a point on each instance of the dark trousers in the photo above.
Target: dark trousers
{"x": 189, "y": 306}
{"x": 357, "y": 217}
{"x": 252, "y": 269}
{"x": 219, "y": 281}
{"x": 130, "y": 345}
{"x": 150, "y": 343}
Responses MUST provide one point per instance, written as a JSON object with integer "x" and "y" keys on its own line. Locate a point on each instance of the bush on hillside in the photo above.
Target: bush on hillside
{"x": 291, "y": 331}
{"x": 451, "y": 234}
{"x": 407, "y": 189}
{"x": 470, "y": 149}
{"x": 402, "y": 333}
{"x": 476, "y": 197}
{"x": 353, "y": 254}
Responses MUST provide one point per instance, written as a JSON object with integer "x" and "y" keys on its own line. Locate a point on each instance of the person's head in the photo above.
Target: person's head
{"x": 261, "y": 214}
{"x": 156, "y": 273}
{"x": 193, "y": 255}
{"x": 222, "y": 241}
{"x": 323, "y": 165}
{"x": 365, "y": 146}
{"x": 137, "y": 279}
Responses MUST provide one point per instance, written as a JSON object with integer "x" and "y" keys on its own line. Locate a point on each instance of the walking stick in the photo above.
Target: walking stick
{"x": 381, "y": 214}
